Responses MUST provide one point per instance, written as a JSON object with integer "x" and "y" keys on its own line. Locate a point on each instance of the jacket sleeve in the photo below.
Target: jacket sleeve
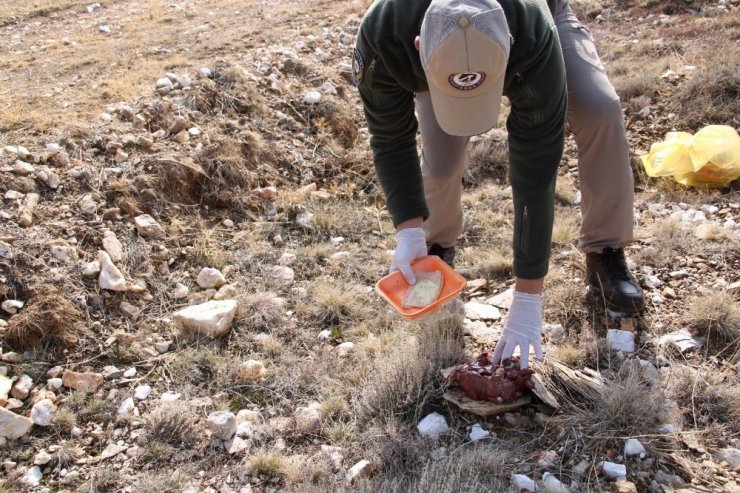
{"x": 391, "y": 121}
{"x": 536, "y": 127}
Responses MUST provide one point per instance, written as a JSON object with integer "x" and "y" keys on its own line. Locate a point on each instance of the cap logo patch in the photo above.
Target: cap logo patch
{"x": 467, "y": 81}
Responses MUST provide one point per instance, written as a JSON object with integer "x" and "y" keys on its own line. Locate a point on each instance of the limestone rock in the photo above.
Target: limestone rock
{"x": 222, "y": 424}
{"x": 13, "y": 425}
{"x": 522, "y": 483}
{"x": 634, "y": 447}
{"x": 110, "y": 277}
{"x": 147, "y": 227}
{"x": 357, "y": 471}
{"x": 434, "y": 425}
{"x": 22, "y": 387}
{"x": 480, "y": 311}
{"x": 113, "y": 247}
{"x": 87, "y": 381}
{"x": 252, "y": 369}
{"x": 212, "y": 318}
{"x": 210, "y": 278}
{"x": 308, "y": 419}
{"x": 42, "y": 412}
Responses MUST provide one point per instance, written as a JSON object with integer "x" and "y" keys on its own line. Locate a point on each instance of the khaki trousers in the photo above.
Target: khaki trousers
{"x": 595, "y": 119}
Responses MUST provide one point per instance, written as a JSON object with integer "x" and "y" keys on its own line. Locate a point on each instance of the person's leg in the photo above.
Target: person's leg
{"x": 607, "y": 193}
{"x": 442, "y": 166}
{"x": 595, "y": 118}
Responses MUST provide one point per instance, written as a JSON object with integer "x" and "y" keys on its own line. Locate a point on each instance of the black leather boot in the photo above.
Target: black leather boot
{"x": 608, "y": 275}
{"x": 447, "y": 254}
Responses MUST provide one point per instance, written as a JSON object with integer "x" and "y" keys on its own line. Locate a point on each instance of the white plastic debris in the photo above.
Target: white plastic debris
{"x": 621, "y": 340}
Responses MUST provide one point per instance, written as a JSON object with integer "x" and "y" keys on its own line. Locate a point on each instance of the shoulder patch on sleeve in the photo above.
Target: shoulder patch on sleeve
{"x": 358, "y": 68}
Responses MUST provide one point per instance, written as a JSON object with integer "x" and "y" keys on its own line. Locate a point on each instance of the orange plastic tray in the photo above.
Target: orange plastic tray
{"x": 393, "y": 287}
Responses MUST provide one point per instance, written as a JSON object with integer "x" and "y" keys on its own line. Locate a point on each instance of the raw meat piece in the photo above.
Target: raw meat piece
{"x": 480, "y": 380}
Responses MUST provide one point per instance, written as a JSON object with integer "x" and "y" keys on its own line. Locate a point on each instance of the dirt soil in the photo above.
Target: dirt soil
{"x": 216, "y": 150}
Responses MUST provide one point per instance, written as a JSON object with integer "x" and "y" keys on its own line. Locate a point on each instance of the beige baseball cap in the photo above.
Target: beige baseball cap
{"x": 464, "y": 49}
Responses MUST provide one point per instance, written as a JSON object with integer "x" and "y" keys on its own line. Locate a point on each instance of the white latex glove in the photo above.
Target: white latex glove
{"x": 411, "y": 244}
{"x": 523, "y": 326}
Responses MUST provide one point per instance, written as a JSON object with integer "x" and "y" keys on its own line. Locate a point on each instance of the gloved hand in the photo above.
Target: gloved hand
{"x": 410, "y": 244}
{"x": 523, "y": 326}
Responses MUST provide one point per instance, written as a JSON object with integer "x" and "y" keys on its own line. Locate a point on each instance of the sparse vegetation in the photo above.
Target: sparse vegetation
{"x": 246, "y": 176}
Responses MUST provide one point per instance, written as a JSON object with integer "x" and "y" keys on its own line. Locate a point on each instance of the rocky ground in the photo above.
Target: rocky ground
{"x": 190, "y": 233}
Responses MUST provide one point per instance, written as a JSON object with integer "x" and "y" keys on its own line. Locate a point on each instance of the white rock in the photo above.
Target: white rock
{"x": 683, "y": 339}
{"x": 480, "y": 311}
{"x": 522, "y": 482}
{"x": 113, "y": 247}
{"x": 148, "y": 227}
{"x": 64, "y": 253}
{"x": 324, "y": 335}
{"x": 554, "y": 332}
{"x": 142, "y": 392}
{"x": 76, "y": 432}
{"x": 170, "y": 396}
{"x": 730, "y": 455}
{"x": 633, "y": 447}
{"x": 54, "y": 383}
{"x": 357, "y": 471}
{"x": 110, "y": 277}
{"x": 252, "y": 368}
{"x": 104, "y": 29}
{"x": 129, "y": 373}
{"x": 210, "y": 278}
{"x": 244, "y": 429}
{"x": 666, "y": 429}
{"x": 181, "y": 291}
{"x": 621, "y": 340}
{"x": 206, "y": 72}
{"x": 13, "y": 425}
{"x": 614, "y": 470}
{"x": 308, "y": 419}
{"x": 502, "y": 299}
{"x": 22, "y": 387}
{"x": 19, "y": 151}
{"x": 312, "y": 97}
{"x": 478, "y": 433}
{"x": 41, "y": 458}
{"x": 282, "y": 275}
{"x": 23, "y": 168}
{"x": 32, "y": 477}
{"x": 12, "y": 306}
{"x": 551, "y": 484}
{"x": 184, "y": 81}
{"x": 6, "y": 251}
{"x": 345, "y": 348}
{"x": 212, "y": 318}
{"x": 91, "y": 269}
{"x": 434, "y": 425}
{"x": 236, "y": 445}
{"x": 42, "y": 412}
{"x": 222, "y": 424}
{"x": 480, "y": 331}
{"x": 5, "y": 385}
{"x": 127, "y": 406}
{"x": 165, "y": 83}
{"x": 87, "y": 381}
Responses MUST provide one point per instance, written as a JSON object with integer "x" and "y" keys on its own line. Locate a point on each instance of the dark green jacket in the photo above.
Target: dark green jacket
{"x": 388, "y": 72}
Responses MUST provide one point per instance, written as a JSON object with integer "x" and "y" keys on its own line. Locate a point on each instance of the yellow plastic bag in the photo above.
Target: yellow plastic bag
{"x": 709, "y": 158}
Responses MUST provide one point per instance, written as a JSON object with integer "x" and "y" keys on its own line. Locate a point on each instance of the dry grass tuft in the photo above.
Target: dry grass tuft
{"x": 717, "y": 318}
{"x": 172, "y": 432}
{"x": 706, "y": 399}
{"x": 711, "y": 96}
{"x": 230, "y": 92}
{"x": 405, "y": 380}
{"x": 49, "y": 319}
{"x": 269, "y": 464}
{"x": 331, "y": 304}
{"x": 491, "y": 264}
{"x": 668, "y": 238}
{"x": 488, "y": 159}
{"x": 262, "y": 311}
{"x": 603, "y": 415}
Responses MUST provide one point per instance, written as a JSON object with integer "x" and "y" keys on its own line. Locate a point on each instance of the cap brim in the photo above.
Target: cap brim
{"x": 469, "y": 115}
